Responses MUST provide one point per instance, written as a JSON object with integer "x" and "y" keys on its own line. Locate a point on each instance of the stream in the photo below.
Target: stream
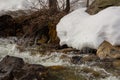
{"x": 59, "y": 62}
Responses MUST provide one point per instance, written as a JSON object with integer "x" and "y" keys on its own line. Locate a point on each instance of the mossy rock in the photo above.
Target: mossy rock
{"x": 64, "y": 73}
{"x": 99, "y": 5}
{"x": 116, "y": 64}
{"x": 56, "y": 67}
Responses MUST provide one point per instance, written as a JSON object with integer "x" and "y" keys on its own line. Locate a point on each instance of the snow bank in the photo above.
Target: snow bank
{"x": 79, "y": 29}
{"x": 27, "y": 4}
{"x": 13, "y": 4}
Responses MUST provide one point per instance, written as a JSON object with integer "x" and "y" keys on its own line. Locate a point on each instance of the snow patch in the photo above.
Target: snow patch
{"x": 13, "y": 4}
{"x": 79, "y": 29}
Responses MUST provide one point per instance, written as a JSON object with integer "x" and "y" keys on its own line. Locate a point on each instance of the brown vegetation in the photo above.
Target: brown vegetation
{"x": 35, "y": 24}
{"x": 40, "y": 26}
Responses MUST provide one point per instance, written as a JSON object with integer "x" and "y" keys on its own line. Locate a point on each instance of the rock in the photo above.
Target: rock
{"x": 87, "y": 50}
{"x": 30, "y": 72}
{"x": 89, "y": 58}
{"x": 99, "y": 5}
{"x": 82, "y": 59}
{"x": 62, "y": 47}
{"x": 56, "y": 67}
{"x": 106, "y": 50}
{"x": 7, "y": 26}
{"x": 116, "y": 64}
{"x": 66, "y": 50}
{"x": 76, "y": 59}
{"x": 64, "y": 73}
{"x": 7, "y": 65}
{"x": 14, "y": 68}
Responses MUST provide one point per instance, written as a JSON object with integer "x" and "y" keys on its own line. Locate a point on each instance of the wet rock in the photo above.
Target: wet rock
{"x": 76, "y": 59}
{"x": 83, "y": 59}
{"x": 56, "y": 67}
{"x": 7, "y": 26}
{"x": 30, "y": 72}
{"x": 106, "y": 50}
{"x": 7, "y": 65}
{"x": 116, "y": 64}
{"x": 89, "y": 58}
{"x": 66, "y": 50}
{"x": 87, "y": 50}
{"x": 99, "y": 5}
{"x": 14, "y": 68}
{"x": 64, "y": 73}
{"x": 62, "y": 47}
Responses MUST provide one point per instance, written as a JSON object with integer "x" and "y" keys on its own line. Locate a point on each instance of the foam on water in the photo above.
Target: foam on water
{"x": 111, "y": 78}
{"x": 8, "y": 47}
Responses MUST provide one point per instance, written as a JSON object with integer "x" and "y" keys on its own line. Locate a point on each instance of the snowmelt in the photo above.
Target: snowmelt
{"x": 79, "y": 29}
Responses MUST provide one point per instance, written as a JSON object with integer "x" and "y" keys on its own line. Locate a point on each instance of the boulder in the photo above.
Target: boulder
{"x": 106, "y": 50}
{"x": 76, "y": 59}
{"x": 99, "y": 5}
{"x": 14, "y": 68}
{"x": 7, "y": 65}
{"x": 30, "y": 72}
{"x": 7, "y": 26}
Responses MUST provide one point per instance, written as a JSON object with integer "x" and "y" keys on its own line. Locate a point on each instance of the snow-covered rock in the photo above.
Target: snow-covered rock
{"x": 79, "y": 29}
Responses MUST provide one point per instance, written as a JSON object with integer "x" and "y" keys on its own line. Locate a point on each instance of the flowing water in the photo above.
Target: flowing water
{"x": 66, "y": 70}
{"x": 60, "y": 63}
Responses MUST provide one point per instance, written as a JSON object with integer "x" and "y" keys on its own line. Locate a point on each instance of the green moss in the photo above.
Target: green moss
{"x": 64, "y": 74}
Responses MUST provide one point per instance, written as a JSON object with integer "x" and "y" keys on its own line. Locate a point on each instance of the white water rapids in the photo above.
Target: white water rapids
{"x": 8, "y": 47}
